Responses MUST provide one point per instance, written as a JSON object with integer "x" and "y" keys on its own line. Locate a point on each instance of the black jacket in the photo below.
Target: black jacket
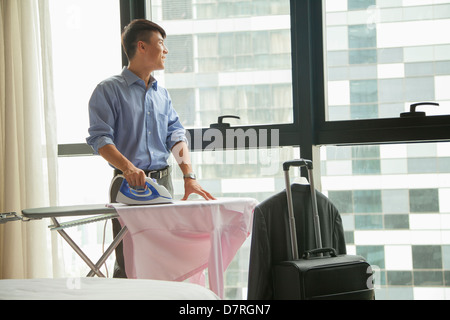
{"x": 270, "y": 237}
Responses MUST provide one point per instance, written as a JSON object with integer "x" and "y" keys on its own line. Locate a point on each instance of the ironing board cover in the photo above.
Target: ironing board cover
{"x": 178, "y": 241}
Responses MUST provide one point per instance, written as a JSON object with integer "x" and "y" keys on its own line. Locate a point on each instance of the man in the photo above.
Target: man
{"x": 133, "y": 125}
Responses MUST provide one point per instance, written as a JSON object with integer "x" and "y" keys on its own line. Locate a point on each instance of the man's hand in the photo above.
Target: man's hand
{"x": 181, "y": 154}
{"x": 192, "y": 186}
{"x": 135, "y": 177}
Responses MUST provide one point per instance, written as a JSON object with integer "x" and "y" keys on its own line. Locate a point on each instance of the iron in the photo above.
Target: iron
{"x": 152, "y": 193}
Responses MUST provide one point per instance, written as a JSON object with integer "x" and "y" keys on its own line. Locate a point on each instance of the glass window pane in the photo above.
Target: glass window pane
{"x": 382, "y": 56}
{"x": 234, "y": 57}
{"x": 86, "y": 50}
{"x": 396, "y": 216}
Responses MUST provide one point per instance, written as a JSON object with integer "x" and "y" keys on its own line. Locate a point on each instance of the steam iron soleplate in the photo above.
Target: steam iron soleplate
{"x": 153, "y": 193}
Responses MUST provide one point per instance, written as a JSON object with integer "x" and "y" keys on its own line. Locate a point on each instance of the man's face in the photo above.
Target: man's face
{"x": 155, "y": 51}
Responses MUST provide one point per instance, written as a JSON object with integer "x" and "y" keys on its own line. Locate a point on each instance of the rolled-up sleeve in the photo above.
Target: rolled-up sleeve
{"x": 101, "y": 118}
{"x": 176, "y": 137}
{"x": 176, "y": 132}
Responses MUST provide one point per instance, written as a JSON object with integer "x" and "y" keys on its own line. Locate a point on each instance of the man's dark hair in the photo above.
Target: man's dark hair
{"x": 138, "y": 30}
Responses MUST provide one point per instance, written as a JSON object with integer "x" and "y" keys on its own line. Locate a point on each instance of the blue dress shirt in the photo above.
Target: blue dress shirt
{"x": 140, "y": 122}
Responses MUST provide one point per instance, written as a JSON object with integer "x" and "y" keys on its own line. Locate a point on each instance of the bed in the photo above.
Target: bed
{"x": 101, "y": 289}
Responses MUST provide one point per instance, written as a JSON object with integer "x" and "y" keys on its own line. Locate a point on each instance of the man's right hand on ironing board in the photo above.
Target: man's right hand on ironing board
{"x": 134, "y": 176}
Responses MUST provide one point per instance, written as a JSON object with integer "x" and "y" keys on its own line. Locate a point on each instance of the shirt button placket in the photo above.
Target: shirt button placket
{"x": 149, "y": 109}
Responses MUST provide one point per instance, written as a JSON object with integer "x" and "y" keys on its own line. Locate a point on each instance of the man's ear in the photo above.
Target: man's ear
{"x": 141, "y": 46}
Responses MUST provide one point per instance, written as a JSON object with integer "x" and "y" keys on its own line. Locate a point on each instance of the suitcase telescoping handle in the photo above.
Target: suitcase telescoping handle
{"x": 309, "y": 165}
{"x": 307, "y": 255}
{"x": 298, "y": 163}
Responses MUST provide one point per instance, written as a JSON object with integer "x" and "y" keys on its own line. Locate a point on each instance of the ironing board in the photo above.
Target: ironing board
{"x": 95, "y": 212}
{"x": 216, "y": 229}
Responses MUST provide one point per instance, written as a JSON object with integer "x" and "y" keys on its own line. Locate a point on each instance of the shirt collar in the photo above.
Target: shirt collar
{"x": 132, "y": 78}
{"x": 154, "y": 83}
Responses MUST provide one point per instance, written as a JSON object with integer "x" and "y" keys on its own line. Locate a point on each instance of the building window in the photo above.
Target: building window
{"x": 177, "y": 9}
{"x": 360, "y": 4}
{"x": 424, "y": 200}
{"x": 181, "y": 54}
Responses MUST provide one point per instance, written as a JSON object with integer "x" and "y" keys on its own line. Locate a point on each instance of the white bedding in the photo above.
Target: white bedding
{"x": 101, "y": 289}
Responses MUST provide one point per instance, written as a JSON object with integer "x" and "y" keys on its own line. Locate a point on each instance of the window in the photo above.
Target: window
{"x": 228, "y": 58}
{"x": 383, "y": 56}
{"x": 86, "y": 50}
{"x": 380, "y": 57}
{"x": 333, "y": 73}
{"x": 395, "y": 216}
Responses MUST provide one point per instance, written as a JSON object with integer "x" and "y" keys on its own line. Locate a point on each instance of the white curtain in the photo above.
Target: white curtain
{"x": 28, "y": 146}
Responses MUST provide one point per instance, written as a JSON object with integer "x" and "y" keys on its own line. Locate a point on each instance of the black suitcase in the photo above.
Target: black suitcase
{"x": 319, "y": 274}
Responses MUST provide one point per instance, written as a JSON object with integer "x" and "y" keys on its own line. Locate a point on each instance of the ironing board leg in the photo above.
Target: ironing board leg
{"x": 108, "y": 251}
{"x": 77, "y": 249}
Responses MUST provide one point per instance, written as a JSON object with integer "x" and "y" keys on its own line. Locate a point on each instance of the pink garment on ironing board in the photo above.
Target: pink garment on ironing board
{"x": 178, "y": 241}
